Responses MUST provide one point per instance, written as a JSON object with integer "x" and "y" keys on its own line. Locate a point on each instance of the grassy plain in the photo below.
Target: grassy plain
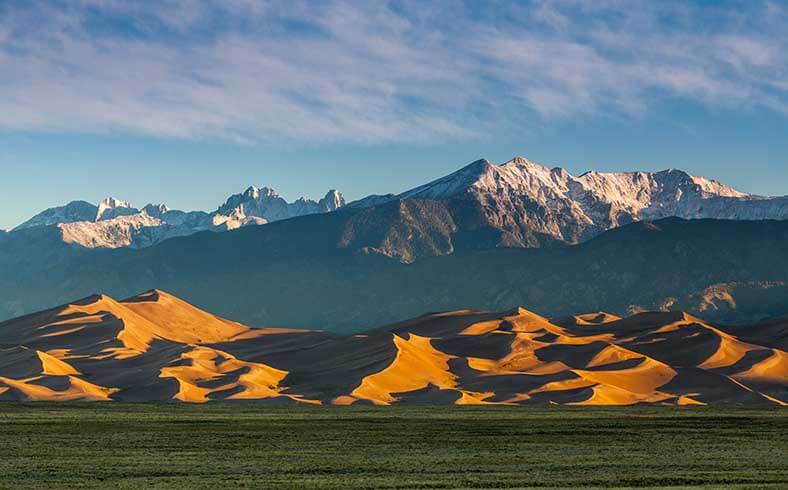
{"x": 115, "y": 445}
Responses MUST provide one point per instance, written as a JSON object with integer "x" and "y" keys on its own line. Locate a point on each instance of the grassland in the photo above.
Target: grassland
{"x": 246, "y": 445}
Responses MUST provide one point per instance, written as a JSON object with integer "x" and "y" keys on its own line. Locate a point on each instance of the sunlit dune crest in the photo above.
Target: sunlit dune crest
{"x": 74, "y": 389}
{"x": 157, "y": 347}
{"x": 54, "y": 366}
{"x": 209, "y": 371}
{"x": 604, "y": 394}
{"x": 417, "y": 365}
{"x": 179, "y": 321}
{"x": 729, "y": 352}
{"x": 597, "y": 318}
{"x": 770, "y": 370}
{"x": 646, "y": 377}
{"x": 611, "y": 355}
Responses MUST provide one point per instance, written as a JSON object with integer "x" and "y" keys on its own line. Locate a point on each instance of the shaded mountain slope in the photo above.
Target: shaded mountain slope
{"x": 319, "y": 271}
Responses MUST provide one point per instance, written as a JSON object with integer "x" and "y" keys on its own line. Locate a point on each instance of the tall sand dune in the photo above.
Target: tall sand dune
{"x": 157, "y": 347}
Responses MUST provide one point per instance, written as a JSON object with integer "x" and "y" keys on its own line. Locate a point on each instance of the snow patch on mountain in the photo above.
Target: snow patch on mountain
{"x": 265, "y": 203}
{"x": 518, "y": 203}
{"x": 371, "y": 200}
{"x": 157, "y": 210}
{"x": 136, "y": 231}
{"x": 110, "y": 208}
{"x": 114, "y": 223}
{"x": 525, "y": 199}
{"x": 452, "y": 184}
{"x": 73, "y": 211}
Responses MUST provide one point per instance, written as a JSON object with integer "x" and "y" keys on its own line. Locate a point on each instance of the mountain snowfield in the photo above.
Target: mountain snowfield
{"x": 114, "y": 223}
{"x": 522, "y": 197}
{"x": 522, "y": 203}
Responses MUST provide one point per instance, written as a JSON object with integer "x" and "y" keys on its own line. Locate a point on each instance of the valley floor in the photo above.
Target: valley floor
{"x": 218, "y": 445}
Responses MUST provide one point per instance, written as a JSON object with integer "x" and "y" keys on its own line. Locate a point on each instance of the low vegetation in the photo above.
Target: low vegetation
{"x": 103, "y": 445}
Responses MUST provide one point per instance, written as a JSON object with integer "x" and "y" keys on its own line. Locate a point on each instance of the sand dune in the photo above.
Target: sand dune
{"x": 157, "y": 347}
{"x": 416, "y": 366}
{"x": 26, "y": 374}
{"x": 179, "y": 321}
{"x": 213, "y": 374}
{"x": 55, "y": 367}
{"x": 597, "y": 318}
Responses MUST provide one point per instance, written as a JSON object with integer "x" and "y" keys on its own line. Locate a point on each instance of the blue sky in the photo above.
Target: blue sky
{"x": 187, "y": 101}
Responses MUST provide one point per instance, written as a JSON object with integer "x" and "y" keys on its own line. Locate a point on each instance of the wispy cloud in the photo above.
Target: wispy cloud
{"x": 247, "y": 70}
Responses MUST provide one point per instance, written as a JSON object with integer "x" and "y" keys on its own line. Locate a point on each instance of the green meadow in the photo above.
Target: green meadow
{"x": 115, "y": 445}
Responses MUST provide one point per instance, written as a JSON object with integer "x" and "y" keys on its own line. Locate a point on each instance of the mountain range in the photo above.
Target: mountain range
{"x": 156, "y": 347}
{"x": 487, "y": 237}
{"x": 114, "y": 223}
{"x": 516, "y": 204}
{"x": 524, "y": 204}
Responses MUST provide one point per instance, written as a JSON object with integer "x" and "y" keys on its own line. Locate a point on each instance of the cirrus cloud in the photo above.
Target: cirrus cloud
{"x": 248, "y": 71}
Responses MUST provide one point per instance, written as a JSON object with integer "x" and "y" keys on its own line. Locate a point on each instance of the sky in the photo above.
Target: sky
{"x": 185, "y": 102}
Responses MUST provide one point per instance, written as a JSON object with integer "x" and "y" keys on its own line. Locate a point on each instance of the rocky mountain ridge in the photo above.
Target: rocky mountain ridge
{"x": 114, "y": 223}
{"x": 483, "y": 205}
{"x": 530, "y": 205}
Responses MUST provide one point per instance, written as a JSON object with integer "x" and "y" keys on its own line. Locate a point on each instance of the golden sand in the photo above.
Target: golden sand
{"x": 157, "y": 347}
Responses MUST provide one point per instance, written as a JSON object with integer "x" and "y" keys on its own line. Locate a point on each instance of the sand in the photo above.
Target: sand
{"x": 157, "y": 347}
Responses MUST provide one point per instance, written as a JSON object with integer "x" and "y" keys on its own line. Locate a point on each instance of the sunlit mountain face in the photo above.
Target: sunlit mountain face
{"x": 515, "y": 204}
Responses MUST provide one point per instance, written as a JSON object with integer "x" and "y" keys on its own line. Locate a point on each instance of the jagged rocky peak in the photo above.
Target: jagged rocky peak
{"x": 522, "y": 175}
{"x": 520, "y": 161}
{"x": 114, "y": 223}
{"x": 259, "y": 193}
{"x": 245, "y": 203}
{"x": 111, "y": 207}
{"x": 267, "y": 204}
{"x": 524, "y": 199}
{"x": 112, "y": 203}
{"x": 156, "y": 210}
{"x": 520, "y": 202}
{"x": 333, "y": 200}
{"x": 701, "y": 184}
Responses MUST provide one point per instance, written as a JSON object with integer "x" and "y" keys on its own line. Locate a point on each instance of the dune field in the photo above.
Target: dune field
{"x": 156, "y": 347}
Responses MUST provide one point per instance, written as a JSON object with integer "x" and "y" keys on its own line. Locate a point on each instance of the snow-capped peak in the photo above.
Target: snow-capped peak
{"x": 528, "y": 201}
{"x": 111, "y": 207}
{"x": 714, "y": 187}
{"x": 451, "y": 184}
{"x": 71, "y": 212}
{"x": 519, "y": 161}
{"x": 268, "y": 205}
{"x": 114, "y": 223}
{"x": 522, "y": 175}
{"x": 333, "y": 200}
{"x": 156, "y": 209}
{"x": 530, "y": 197}
{"x": 258, "y": 193}
{"x": 111, "y": 202}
